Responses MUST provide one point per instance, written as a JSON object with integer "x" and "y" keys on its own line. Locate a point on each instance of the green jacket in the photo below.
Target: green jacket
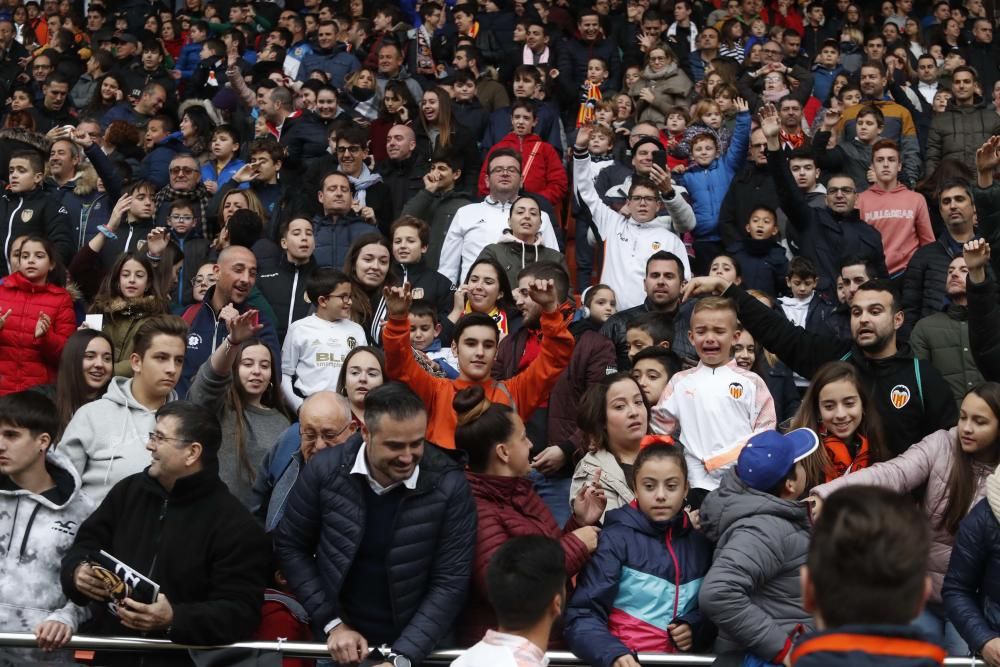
{"x": 942, "y": 340}
{"x": 514, "y": 256}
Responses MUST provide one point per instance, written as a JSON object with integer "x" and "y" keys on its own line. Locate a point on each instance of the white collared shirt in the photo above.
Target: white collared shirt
{"x": 361, "y": 468}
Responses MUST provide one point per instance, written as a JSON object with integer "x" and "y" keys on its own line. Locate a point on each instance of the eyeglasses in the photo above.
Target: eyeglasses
{"x": 505, "y": 170}
{"x": 182, "y": 218}
{"x": 198, "y": 281}
{"x": 353, "y": 150}
{"x": 327, "y": 435}
{"x": 345, "y": 298}
{"x": 847, "y": 190}
{"x": 174, "y": 171}
{"x": 642, "y": 199}
{"x": 41, "y": 67}
{"x": 159, "y": 439}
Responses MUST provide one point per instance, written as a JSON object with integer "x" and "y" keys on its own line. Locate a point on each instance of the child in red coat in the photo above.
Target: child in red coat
{"x": 36, "y": 318}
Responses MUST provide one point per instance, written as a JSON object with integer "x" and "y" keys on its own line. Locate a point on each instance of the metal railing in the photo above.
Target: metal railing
{"x": 316, "y": 650}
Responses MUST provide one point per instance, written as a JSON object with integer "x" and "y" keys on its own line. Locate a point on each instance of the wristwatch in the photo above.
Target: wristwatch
{"x": 399, "y": 660}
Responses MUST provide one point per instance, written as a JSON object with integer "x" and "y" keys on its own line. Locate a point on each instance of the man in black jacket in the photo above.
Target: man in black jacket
{"x": 404, "y": 171}
{"x": 378, "y": 536}
{"x": 925, "y": 277}
{"x": 910, "y": 395}
{"x": 177, "y": 524}
{"x": 823, "y": 235}
{"x": 663, "y": 284}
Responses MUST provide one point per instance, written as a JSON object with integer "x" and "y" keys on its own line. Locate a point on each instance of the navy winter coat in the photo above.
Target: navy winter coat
{"x": 334, "y": 238}
{"x": 971, "y": 590}
{"x": 428, "y": 563}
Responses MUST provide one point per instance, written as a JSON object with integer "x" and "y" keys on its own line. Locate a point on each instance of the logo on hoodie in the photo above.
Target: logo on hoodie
{"x": 194, "y": 340}
{"x": 26, "y": 214}
{"x": 735, "y": 390}
{"x": 899, "y": 396}
{"x": 68, "y": 527}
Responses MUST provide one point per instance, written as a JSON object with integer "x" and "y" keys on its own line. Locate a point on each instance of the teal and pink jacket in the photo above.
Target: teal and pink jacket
{"x": 644, "y": 576}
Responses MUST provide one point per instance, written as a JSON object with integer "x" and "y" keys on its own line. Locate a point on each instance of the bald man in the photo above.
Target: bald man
{"x": 404, "y": 171}
{"x": 236, "y": 274}
{"x": 325, "y": 420}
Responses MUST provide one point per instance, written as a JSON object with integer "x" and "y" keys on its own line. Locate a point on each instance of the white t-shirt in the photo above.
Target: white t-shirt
{"x": 313, "y": 353}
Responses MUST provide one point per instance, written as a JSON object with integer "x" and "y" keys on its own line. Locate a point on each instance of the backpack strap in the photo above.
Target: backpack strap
{"x": 920, "y": 384}
{"x": 846, "y": 356}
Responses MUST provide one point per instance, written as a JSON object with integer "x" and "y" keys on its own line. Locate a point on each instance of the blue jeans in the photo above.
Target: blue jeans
{"x": 936, "y": 628}
{"x": 554, "y": 492}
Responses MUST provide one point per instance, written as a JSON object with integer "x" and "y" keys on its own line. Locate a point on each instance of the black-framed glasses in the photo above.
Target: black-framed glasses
{"x": 159, "y": 438}
{"x": 353, "y": 150}
{"x": 343, "y": 297}
{"x": 847, "y": 190}
{"x": 642, "y": 199}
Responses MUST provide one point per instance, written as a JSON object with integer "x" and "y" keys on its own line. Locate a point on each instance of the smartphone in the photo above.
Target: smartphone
{"x": 660, "y": 159}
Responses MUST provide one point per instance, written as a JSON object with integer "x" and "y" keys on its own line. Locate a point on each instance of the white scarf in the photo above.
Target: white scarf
{"x": 530, "y": 58}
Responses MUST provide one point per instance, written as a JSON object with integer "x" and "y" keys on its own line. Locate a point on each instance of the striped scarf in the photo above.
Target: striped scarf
{"x": 591, "y": 96}
{"x": 167, "y": 194}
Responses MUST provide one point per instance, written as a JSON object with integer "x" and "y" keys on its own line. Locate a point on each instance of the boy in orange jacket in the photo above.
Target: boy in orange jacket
{"x": 475, "y": 345}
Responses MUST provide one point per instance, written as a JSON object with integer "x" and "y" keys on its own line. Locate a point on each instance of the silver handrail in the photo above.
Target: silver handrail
{"x": 316, "y": 650}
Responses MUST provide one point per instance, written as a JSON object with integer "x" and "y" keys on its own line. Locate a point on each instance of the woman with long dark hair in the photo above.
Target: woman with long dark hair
{"x": 237, "y": 382}
{"x": 85, "y": 370}
{"x": 109, "y": 90}
{"x": 439, "y": 129}
{"x": 952, "y": 467}
{"x": 369, "y": 267}
{"x": 487, "y": 290}
{"x": 196, "y": 129}
{"x": 838, "y": 406}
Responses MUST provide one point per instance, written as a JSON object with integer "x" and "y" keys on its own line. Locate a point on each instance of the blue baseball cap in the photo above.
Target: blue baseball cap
{"x": 769, "y": 456}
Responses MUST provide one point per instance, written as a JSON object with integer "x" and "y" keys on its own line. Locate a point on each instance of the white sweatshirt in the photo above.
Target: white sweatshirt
{"x": 628, "y": 244}
{"x": 313, "y": 353}
{"x": 474, "y": 227}
{"x": 716, "y": 411}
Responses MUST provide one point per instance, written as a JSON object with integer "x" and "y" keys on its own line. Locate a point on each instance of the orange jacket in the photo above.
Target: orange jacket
{"x": 528, "y": 389}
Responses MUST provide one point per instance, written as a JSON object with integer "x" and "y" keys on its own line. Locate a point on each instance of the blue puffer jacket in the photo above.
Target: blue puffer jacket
{"x": 708, "y": 185}
{"x": 188, "y": 61}
{"x": 971, "y": 589}
{"x": 334, "y": 238}
{"x": 428, "y": 563}
{"x": 644, "y": 576}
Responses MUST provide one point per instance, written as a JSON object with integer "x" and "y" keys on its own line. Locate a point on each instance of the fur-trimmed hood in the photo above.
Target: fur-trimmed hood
{"x": 30, "y": 137}
{"x": 142, "y": 306}
{"x": 85, "y": 182}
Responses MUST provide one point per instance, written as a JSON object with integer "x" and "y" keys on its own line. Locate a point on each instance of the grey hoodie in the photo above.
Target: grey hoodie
{"x": 36, "y": 530}
{"x": 752, "y": 591}
{"x": 106, "y": 439}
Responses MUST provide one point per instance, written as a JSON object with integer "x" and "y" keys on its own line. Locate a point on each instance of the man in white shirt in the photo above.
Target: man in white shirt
{"x": 475, "y": 226}
{"x": 526, "y": 583}
{"x": 927, "y": 77}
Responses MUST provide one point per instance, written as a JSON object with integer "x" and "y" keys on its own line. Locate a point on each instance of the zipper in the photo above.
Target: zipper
{"x": 291, "y": 306}
{"x": 677, "y": 578}
{"x": 159, "y": 533}
{"x": 10, "y": 232}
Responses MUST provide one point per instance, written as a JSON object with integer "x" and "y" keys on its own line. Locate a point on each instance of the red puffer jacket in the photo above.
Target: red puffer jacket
{"x": 544, "y": 174}
{"x": 26, "y": 361}
{"x": 508, "y": 507}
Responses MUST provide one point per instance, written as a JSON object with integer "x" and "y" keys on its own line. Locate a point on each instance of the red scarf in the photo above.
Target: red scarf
{"x": 839, "y": 454}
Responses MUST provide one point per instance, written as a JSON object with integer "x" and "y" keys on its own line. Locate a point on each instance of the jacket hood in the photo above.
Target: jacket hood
{"x": 734, "y": 500}
{"x": 64, "y": 474}
{"x": 17, "y": 280}
{"x": 993, "y": 492}
{"x": 875, "y": 187}
{"x": 33, "y": 139}
{"x": 138, "y": 307}
{"x": 85, "y": 182}
{"x": 120, "y": 392}
{"x": 497, "y": 489}
{"x": 669, "y": 71}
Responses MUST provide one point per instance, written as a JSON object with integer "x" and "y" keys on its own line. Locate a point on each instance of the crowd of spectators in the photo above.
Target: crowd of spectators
{"x": 613, "y": 326}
